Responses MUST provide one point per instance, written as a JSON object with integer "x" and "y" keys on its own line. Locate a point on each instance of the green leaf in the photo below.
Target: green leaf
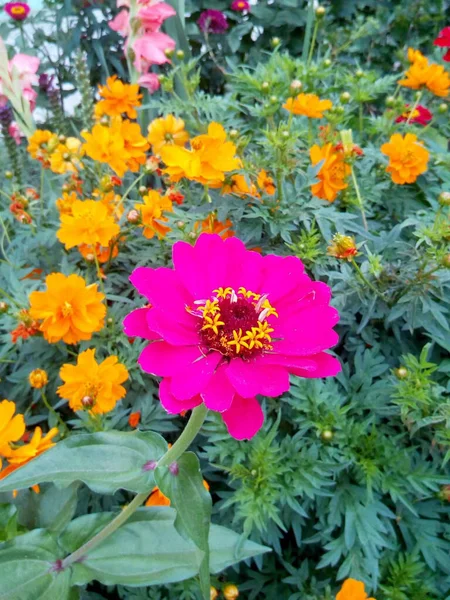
{"x": 193, "y": 504}
{"x": 227, "y": 548}
{"x": 57, "y": 507}
{"x": 105, "y": 462}
{"x": 26, "y": 569}
{"x": 8, "y": 521}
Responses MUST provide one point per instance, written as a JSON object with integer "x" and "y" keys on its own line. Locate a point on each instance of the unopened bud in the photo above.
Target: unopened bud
{"x": 62, "y": 138}
{"x": 133, "y": 216}
{"x": 327, "y": 435}
{"x": 180, "y": 54}
{"x": 285, "y": 134}
{"x": 443, "y": 108}
{"x": 233, "y": 134}
{"x": 142, "y": 190}
{"x": 230, "y": 592}
{"x": 273, "y": 99}
{"x": 296, "y": 85}
{"x": 359, "y": 74}
{"x": 275, "y": 41}
{"x": 9, "y": 174}
{"x": 339, "y": 110}
{"x": 213, "y": 593}
{"x": 104, "y": 120}
{"x": 109, "y": 320}
{"x": 390, "y": 101}
{"x": 320, "y": 12}
{"x": 401, "y": 373}
{"x": 327, "y": 62}
{"x": 192, "y": 235}
{"x": 3, "y": 307}
{"x": 444, "y": 198}
{"x": 446, "y": 261}
{"x": 180, "y": 224}
{"x": 265, "y": 85}
{"x": 38, "y": 378}
{"x": 87, "y": 401}
{"x": 168, "y": 52}
{"x": 345, "y": 97}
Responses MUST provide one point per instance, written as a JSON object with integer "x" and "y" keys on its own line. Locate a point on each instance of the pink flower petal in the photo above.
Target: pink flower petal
{"x": 219, "y": 393}
{"x": 244, "y": 418}
{"x": 281, "y": 275}
{"x": 289, "y": 361}
{"x": 253, "y": 377}
{"x": 135, "y": 325}
{"x": 164, "y": 360}
{"x": 171, "y": 404}
{"x": 326, "y": 366}
{"x": 193, "y": 380}
{"x": 171, "y": 330}
{"x": 189, "y": 271}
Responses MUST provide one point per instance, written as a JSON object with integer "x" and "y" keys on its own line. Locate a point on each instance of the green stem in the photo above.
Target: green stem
{"x": 10, "y": 298}
{"x": 366, "y": 281}
{"x": 361, "y": 118}
{"x": 50, "y": 408}
{"x": 99, "y": 273}
{"x": 360, "y": 200}
{"x": 310, "y": 132}
{"x": 130, "y": 188}
{"x": 181, "y": 445}
{"x": 309, "y": 22}
{"x": 41, "y": 198}
{"x": 411, "y": 112}
{"x": 313, "y": 43}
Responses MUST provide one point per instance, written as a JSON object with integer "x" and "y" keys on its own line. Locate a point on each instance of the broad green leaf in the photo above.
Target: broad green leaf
{"x": 57, "y": 507}
{"x": 26, "y": 569}
{"x": 105, "y": 462}
{"x": 193, "y": 504}
{"x": 8, "y": 521}
{"x": 227, "y": 548}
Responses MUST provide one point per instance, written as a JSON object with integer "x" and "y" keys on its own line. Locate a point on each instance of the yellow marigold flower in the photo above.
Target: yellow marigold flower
{"x": 118, "y": 98}
{"x": 416, "y": 56}
{"x": 422, "y": 74}
{"x": 230, "y": 592}
{"x": 70, "y": 310}
{"x": 89, "y": 223}
{"x": 93, "y": 385}
{"x": 106, "y": 145}
{"x": 308, "y": 105}
{"x": 343, "y": 246}
{"x": 332, "y": 173}
{"x": 37, "y": 445}
{"x": 165, "y": 131}
{"x": 135, "y": 143}
{"x": 353, "y": 590}
{"x": 38, "y": 378}
{"x": 65, "y": 203}
{"x": 66, "y": 156}
{"x": 266, "y": 183}
{"x": 209, "y": 158}
{"x": 41, "y": 144}
{"x": 151, "y": 212}
{"x": 12, "y": 427}
{"x": 407, "y": 158}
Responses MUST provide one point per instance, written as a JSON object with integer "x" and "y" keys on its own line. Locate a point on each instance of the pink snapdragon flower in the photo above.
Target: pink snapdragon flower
{"x": 150, "y": 81}
{"x": 153, "y": 16}
{"x": 121, "y": 23}
{"x": 150, "y": 50}
{"x": 26, "y": 67}
{"x": 227, "y": 324}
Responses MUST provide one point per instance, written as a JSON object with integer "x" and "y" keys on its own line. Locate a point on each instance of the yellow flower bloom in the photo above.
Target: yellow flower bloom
{"x": 151, "y": 212}
{"x": 308, "y": 105}
{"x": 12, "y": 427}
{"x": 353, "y": 590}
{"x": 66, "y": 156}
{"x": 65, "y": 203}
{"x": 240, "y": 185}
{"x": 41, "y": 144}
{"x": 92, "y": 385}
{"x": 416, "y": 56}
{"x": 209, "y": 158}
{"x": 167, "y": 130}
{"x": 134, "y": 142}
{"x": 118, "y": 98}
{"x": 37, "y": 445}
{"x": 70, "y": 310}
{"x": 266, "y": 183}
{"x": 422, "y": 74}
{"x": 89, "y": 223}
{"x": 38, "y": 378}
{"x": 407, "y": 158}
{"x": 332, "y": 173}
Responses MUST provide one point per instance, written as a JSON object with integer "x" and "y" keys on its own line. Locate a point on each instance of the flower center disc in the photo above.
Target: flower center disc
{"x": 235, "y": 324}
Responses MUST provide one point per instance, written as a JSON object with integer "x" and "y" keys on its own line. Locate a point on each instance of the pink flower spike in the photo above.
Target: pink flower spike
{"x": 121, "y": 23}
{"x": 153, "y": 16}
{"x": 233, "y": 326}
{"x": 150, "y": 81}
{"x": 150, "y": 50}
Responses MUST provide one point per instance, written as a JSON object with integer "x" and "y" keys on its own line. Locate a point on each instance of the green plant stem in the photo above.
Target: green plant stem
{"x": 99, "y": 273}
{"x": 41, "y": 193}
{"x": 50, "y": 408}
{"x": 181, "y": 445}
{"x": 313, "y": 43}
{"x": 360, "y": 200}
{"x": 411, "y": 112}
{"x": 361, "y": 118}
{"x": 366, "y": 281}
{"x": 280, "y": 185}
{"x": 130, "y": 188}
{"x": 309, "y": 22}
{"x": 310, "y": 132}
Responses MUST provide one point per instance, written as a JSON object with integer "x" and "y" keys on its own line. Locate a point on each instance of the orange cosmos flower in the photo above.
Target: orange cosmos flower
{"x": 12, "y": 427}
{"x": 241, "y": 186}
{"x": 65, "y": 203}
{"x": 353, "y": 590}
{"x": 70, "y": 310}
{"x": 37, "y": 445}
{"x": 332, "y": 173}
{"x": 157, "y": 498}
{"x": 106, "y": 145}
{"x": 41, "y": 144}
{"x": 135, "y": 144}
{"x": 93, "y": 386}
{"x": 118, "y": 98}
{"x": 89, "y": 251}
{"x": 168, "y": 130}
{"x": 416, "y": 56}
{"x": 266, "y": 183}
{"x": 209, "y": 158}
{"x": 89, "y": 223}
{"x": 308, "y": 105}
{"x": 422, "y": 74}
{"x": 407, "y": 158}
{"x": 152, "y": 214}
{"x": 134, "y": 419}
{"x": 66, "y": 156}
{"x": 212, "y": 225}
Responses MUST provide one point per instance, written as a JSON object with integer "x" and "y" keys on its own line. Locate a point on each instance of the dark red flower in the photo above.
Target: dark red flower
{"x": 240, "y": 5}
{"x": 213, "y": 21}
{"x": 421, "y": 115}
{"x": 18, "y": 11}
{"x": 443, "y": 40}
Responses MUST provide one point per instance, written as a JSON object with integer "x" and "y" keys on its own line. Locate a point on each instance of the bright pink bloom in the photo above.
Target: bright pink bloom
{"x": 152, "y": 17}
{"x": 18, "y": 11}
{"x": 26, "y": 68}
{"x": 149, "y": 50}
{"x": 150, "y": 81}
{"x": 240, "y": 5}
{"x": 443, "y": 40}
{"x": 121, "y": 23}
{"x": 14, "y": 132}
{"x": 421, "y": 116}
{"x": 227, "y": 324}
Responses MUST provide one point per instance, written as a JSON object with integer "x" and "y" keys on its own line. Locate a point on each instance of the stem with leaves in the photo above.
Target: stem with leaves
{"x": 360, "y": 200}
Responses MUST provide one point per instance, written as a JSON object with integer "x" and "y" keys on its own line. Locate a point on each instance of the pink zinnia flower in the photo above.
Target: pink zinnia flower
{"x": 213, "y": 21}
{"x": 240, "y": 5}
{"x": 18, "y": 11}
{"x": 150, "y": 81}
{"x": 443, "y": 40}
{"x": 150, "y": 50}
{"x": 421, "y": 115}
{"x": 227, "y": 324}
{"x": 153, "y": 16}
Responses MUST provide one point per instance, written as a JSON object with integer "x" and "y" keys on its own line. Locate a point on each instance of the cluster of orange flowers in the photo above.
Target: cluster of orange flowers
{"x": 60, "y": 154}
{"x": 421, "y": 74}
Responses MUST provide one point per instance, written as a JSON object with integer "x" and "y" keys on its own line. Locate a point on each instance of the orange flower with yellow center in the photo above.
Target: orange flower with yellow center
{"x": 41, "y": 144}
{"x": 353, "y": 590}
{"x": 407, "y": 158}
{"x": 151, "y": 212}
{"x": 118, "y": 98}
{"x": 212, "y": 225}
{"x": 12, "y": 427}
{"x": 66, "y": 156}
{"x": 168, "y": 130}
{"x": 89, "y": 223}
{"x": 69, "y": 309}
{"x": 332, "y": 173}
{"x": 422, "y": 74}
{"x": 65, "y": 203}
{"x": 91, "y": 385}
{"x": 308, "y": 105}
{"x": 241, "y": 186}
{"x": 266, "y": 183}
{"x": 210, "y": 157}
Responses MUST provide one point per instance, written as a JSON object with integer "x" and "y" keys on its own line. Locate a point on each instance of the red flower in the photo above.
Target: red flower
{"x": 134, "y": 419}
{"x": 240, "y": 5}
{"x": 18, "y": 11}
{"x": 443, "y": 40}
{"x": 421, "y": 115}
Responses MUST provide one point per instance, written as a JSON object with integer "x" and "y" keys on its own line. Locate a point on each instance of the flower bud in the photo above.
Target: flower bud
{"x": 233, "y": 134}
{"x": 285, "y": 134}
{"x": 109, "y": 320}
{"x": 142, "y": 190}
{"x": 38, "y": 378}
{"x": 192, "y": 235}
{"x": 446, "y": 261}
{"x": 273, "y": 99}
{"x": 444, "y": 198}
{"x": 320, "y": 12}
{"x": 265, "y": 85}
{"x": 443, "y": 108}
{"x": 168, "y": 52}
{"x": 327, "y": 62}
{"x": 230, "y": 592}
{"x": 342, "y": 246}
{"x": 275, "y": 41}
{"x": 213, "y": 593}
{"x": 87, "y": 402}
{"x": 296, "y": 85}
{"x": 444, "y": 493}
{"x": 390, "y": 101}
{"x": 9, "y": 174}
{"x": 180, "y": 54}
{"x": 3, "y": 307}
{"x": 327, "y": 435}
{"x": 62, "y": 138}
{"x": 359, "y": 73}
{"x": 339, "y": 110}
{"x": 104, "y": 120}
{"x": 345, "y": 97}
{"x": 401, "y": 373}
{"x": 180, "y": 224}
{"x": 133, "y": 216}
